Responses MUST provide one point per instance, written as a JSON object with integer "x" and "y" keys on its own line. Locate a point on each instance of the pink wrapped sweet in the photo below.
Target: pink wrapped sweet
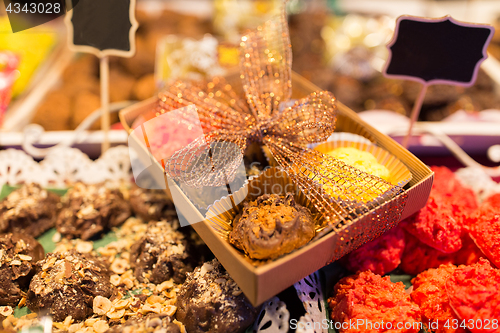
{"x": 169, "y": 132}
{"x": 8, "y": 74}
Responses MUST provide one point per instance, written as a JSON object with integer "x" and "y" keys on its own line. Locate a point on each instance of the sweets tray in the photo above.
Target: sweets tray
{"x": 259, "y": 283}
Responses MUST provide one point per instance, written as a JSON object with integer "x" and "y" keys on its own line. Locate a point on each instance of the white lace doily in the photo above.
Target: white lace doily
{"x": 273, "y": 318}
{"x": 63, "y": 166}
{"x": 478, "y": 181}
{"x": 309, "y": 291}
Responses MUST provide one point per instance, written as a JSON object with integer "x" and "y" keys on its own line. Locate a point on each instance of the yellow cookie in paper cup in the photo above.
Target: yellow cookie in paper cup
{"x": 368, "y": 158}
{"x": 273, "y": 218}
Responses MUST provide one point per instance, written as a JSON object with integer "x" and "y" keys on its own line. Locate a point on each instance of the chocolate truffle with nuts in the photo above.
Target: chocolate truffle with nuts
{"x": 148, "y": 324}
{"x": 89, "y": 210}
{"x": 151, "y": 205}
{"x": 30, "y": 210}
{"x": 18, "y": 255}
{"x": 161, "y": 254}
{"x": 210, "y": 301}
{"x": 272, "y": 225}
{"x": 66, "y": 284}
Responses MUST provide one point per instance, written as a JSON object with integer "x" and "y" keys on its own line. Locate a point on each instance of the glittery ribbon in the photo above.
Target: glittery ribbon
{"x": 268, "y": 116}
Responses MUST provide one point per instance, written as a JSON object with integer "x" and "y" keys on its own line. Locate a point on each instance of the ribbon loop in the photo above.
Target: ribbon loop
{"x": 310, "y": 119}
{"x": 208, "y": 161}
{"x": 266, "y": 67}
{"x": 221, "y": 109}
{"x": 340, "y": 192}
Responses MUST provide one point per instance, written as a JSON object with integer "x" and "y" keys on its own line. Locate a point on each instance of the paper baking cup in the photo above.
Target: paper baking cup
{"x": 400, "y": 175}
{"x": 335, "y": 137}
{"x": 343, "y": 136}
{"x": 221, "y": 214}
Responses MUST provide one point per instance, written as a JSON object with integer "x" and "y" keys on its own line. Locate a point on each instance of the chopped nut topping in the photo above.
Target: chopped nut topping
{"x": 156, "y": 308}
{"x": 101, "y": 305}
{"x": 84, "y": 247}
{"x": 168, "y": 310}
{"x": 181, "y": 325}
{"x": 115, "y": 279}
{"x": 164, "y": 285}
{"x": 90, "y": 322}
{"x": 119, "y": 266}
{"x": 121, "y": 304}
{"x": 57, "y": 237}
{"x": 100, "y": 326}
{"x": 155, "y": 299}
{"x": 6, "y": 311}
{"x": 117, "y": 314}
{"x": 73, "y": 328}
{"x": 49, "y": 263}
{"x": 128, "y": 283}
{"x": 25, "y": 257}
{"x": 22, "y": 302}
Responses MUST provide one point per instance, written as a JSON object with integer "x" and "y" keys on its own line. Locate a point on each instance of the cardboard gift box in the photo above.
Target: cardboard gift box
{"x": 262, "y": 281}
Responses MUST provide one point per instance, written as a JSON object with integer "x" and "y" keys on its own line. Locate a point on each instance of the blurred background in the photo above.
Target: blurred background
{"x": 339, "y": 45}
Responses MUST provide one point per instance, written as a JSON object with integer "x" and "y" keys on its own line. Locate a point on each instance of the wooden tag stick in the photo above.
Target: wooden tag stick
{"x": 414, "y": 113}
{"x": 104, "y": 28}
{"x": 105, "y": 119}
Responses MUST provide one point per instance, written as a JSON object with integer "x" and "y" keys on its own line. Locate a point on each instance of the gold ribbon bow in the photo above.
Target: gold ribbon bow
{"x": 339, "y": 191}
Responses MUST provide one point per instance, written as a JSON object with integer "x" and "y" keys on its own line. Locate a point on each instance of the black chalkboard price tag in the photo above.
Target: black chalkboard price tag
{"x": 104, "y": 28}
{"x": 436, "y": 51}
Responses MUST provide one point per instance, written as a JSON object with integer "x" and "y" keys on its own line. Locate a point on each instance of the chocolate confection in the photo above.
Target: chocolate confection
{"x": 210, "y": 301}
{"x": 18, "y": 255}
{"x": 29, "y": 210}
{"x": 66, "y": 283}
{"x": 271, "y": 226}
{"x": 89, "y": 210}
{"x": 151, "y": 205}
{"x": 161, "y": 254}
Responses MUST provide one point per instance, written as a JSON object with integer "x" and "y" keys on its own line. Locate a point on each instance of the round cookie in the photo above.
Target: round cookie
{"x": 66, "y": 283}
{"x": 435, "y": 225}
{"x": 162, "y": 254}
{"x": 429, "y": 293}
{"x": 211, "y": 302}
{"x": 484, "y": 228}
{"x": 89, "y": 210}
{"x": 473, "y": 295}
{"x": 271, "y": 226}
{"x": 18, "y": 256}
{"x": 368, "y": 298}
{"x": 29, "y": 210}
